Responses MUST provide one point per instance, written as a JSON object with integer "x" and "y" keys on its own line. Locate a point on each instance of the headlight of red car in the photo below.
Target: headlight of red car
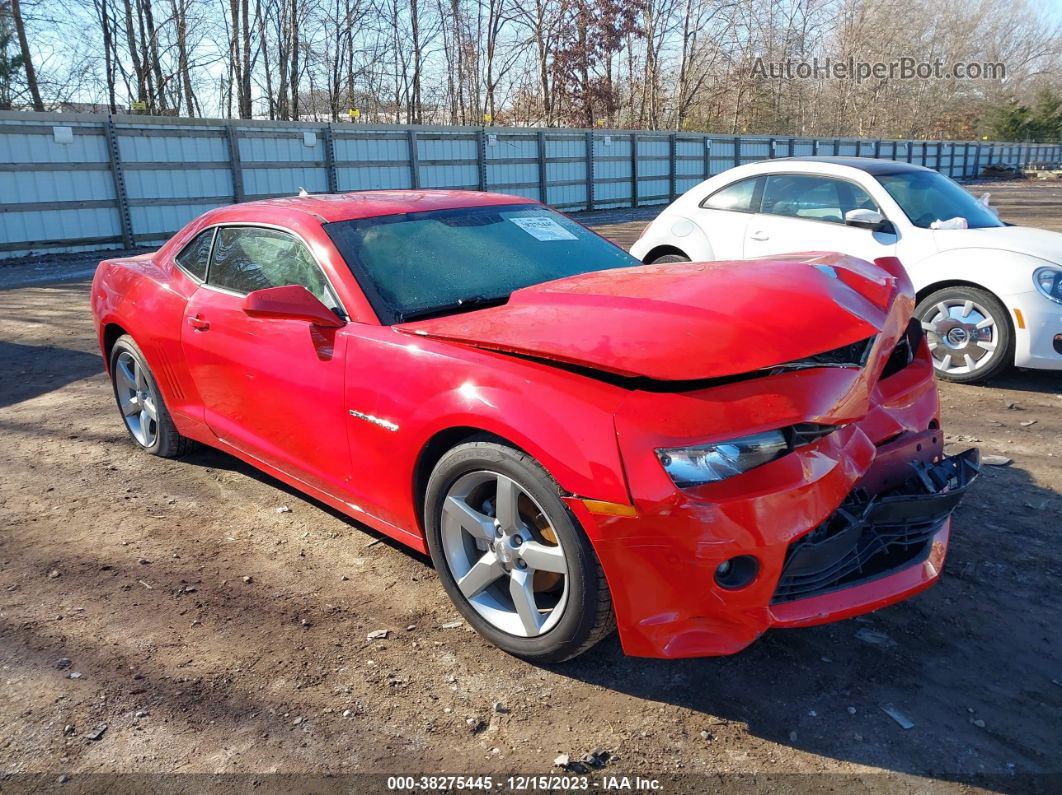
{"x": 706, "y": 463}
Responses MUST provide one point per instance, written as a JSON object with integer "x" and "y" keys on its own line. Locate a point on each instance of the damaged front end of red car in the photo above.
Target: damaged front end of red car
{"x": 853, "y": 516}
{"x": 812, "y": 363}
{"x": 854, "y": 521}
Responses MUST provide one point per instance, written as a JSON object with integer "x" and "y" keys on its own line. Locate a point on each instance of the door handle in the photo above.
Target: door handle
{"x": 198, "y": 324}
{"x": 759, "y": 234}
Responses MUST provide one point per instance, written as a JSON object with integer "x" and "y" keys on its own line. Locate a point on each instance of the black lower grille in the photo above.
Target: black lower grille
{"x": 868, "y": 537}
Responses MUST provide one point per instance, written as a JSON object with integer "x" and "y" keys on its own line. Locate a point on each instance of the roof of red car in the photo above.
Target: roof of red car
{"x": 366, "y": 204}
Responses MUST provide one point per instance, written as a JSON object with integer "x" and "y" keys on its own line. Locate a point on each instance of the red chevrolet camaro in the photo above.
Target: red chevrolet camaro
{"x": 693, "y": 452}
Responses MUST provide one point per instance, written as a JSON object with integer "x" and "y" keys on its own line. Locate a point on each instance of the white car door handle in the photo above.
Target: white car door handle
{"x": 759, "y": 234}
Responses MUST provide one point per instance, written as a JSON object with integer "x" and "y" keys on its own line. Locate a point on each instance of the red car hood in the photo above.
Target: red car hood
{"x": 681, "y": 321}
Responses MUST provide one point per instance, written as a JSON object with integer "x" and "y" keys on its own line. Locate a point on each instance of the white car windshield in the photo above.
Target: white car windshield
{"x": 926, "y": 196}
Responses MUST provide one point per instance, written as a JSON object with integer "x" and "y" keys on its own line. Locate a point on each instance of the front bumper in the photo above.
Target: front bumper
{"x": 1034, "y": 345}
{"x": 875, "y": 552}
{"x": 868, "y": 553}
{"x": 869, "y": 538}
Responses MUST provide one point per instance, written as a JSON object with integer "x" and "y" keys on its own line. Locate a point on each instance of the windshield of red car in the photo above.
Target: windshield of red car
{"x": 424, "y": 264}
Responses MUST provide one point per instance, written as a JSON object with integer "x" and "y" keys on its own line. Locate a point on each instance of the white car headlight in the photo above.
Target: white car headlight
{"x": 706, "y": 463}
{"x": 1049, "y": 282}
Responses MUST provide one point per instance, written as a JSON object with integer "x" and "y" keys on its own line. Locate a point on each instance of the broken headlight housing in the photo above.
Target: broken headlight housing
{"x": 706, "y": 463}
{"x": 1049, "y": 282}
{"x": 699, "y": 464}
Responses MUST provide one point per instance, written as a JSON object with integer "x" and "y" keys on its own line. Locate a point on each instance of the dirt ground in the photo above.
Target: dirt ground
{"x": 194, "y": 616}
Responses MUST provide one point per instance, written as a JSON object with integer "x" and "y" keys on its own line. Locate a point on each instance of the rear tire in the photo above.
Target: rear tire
{"x": 140, "y": 402}
{"x": 474, "y": 540}
{"x": 969, "y": 334}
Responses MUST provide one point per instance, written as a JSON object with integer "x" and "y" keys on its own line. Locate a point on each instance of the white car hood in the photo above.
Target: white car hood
{"x": 1041, "y": 243}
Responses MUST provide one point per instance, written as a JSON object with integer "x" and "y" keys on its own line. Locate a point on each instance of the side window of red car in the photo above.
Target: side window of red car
{"x": 249, "y": 258}
{"x": 195, "y": 256}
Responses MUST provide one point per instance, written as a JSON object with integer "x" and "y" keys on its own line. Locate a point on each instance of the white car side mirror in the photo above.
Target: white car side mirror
{"x": 865, "y": 219}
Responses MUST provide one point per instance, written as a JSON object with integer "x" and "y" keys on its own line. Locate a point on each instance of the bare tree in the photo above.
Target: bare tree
{"x": 658, "y": 64}
{"x": 103, "y": 15}
{"x": 27, "y": 56}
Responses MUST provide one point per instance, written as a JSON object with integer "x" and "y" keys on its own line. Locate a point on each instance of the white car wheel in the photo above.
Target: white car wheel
{"x": 968, "y": 333}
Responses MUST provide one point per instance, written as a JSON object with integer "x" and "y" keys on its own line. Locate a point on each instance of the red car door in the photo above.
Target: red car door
{"x": 273, "y": 388}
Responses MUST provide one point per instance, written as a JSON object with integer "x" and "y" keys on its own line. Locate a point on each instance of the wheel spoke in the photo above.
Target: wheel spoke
{"x": 124, "y": 375}
{"x": 130, "y": 406}
{"x": 945, "y": 363}
{"x": 141, "y": 380}
{"x": 521, "y": 588}
{"x": 485, "y": 571}
{"x": 476, "y": 524}
{"x": 942, "y": 309}
{"x": 540, "y": 557}
{"x": 970, "y": 362}
{"x": 967, "y": 308}
{"x": 136, "y": 425}
{"x": 929, "y": 326}
{"x": 987, "y": 345}
{"x": 149, "y": 409}
{"x": 988, "y": 322}
{"x": 506, "y": 504}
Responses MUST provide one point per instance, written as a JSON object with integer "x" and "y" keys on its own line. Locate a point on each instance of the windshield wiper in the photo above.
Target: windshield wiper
{"x": 460, "y": 305}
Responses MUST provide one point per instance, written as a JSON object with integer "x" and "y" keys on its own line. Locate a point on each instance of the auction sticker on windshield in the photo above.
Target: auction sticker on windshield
{"x": 543, "y": 228}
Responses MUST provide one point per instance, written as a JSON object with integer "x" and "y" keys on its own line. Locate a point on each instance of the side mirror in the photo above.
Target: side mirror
{"x": 291, "y": 302}
{"x": 864, "y": 219}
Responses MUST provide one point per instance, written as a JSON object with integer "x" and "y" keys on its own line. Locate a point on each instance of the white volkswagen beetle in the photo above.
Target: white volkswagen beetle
{"x": 989, "y": 294}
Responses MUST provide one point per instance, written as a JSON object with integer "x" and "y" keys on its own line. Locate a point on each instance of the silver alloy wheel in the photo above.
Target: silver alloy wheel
{"x": 503, "y": 554}
{"x": 137, "y": 399}
{"x": 962, "y": 335}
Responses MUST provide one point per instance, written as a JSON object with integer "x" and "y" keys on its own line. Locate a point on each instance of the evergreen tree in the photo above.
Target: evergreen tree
{"x": 1046, "y": 122}
{"x": 1041, "y": 123}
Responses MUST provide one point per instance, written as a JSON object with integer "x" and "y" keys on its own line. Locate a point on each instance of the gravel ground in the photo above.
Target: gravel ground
{"x": 195, "y": 616}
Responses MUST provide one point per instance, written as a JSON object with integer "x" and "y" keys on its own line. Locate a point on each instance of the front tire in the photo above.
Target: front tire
{"x": 969, "y": 334}
{"x": 511, "y": 556}
{"x": 140, "y": 402}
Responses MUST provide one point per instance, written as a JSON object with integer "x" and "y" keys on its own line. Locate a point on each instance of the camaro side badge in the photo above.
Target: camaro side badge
{"x": 375, "y": 420}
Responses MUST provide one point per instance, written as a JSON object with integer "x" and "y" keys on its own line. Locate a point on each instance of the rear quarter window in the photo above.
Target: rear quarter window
{"x": 737, "y": 197}
{"x": 195, "y": 256}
